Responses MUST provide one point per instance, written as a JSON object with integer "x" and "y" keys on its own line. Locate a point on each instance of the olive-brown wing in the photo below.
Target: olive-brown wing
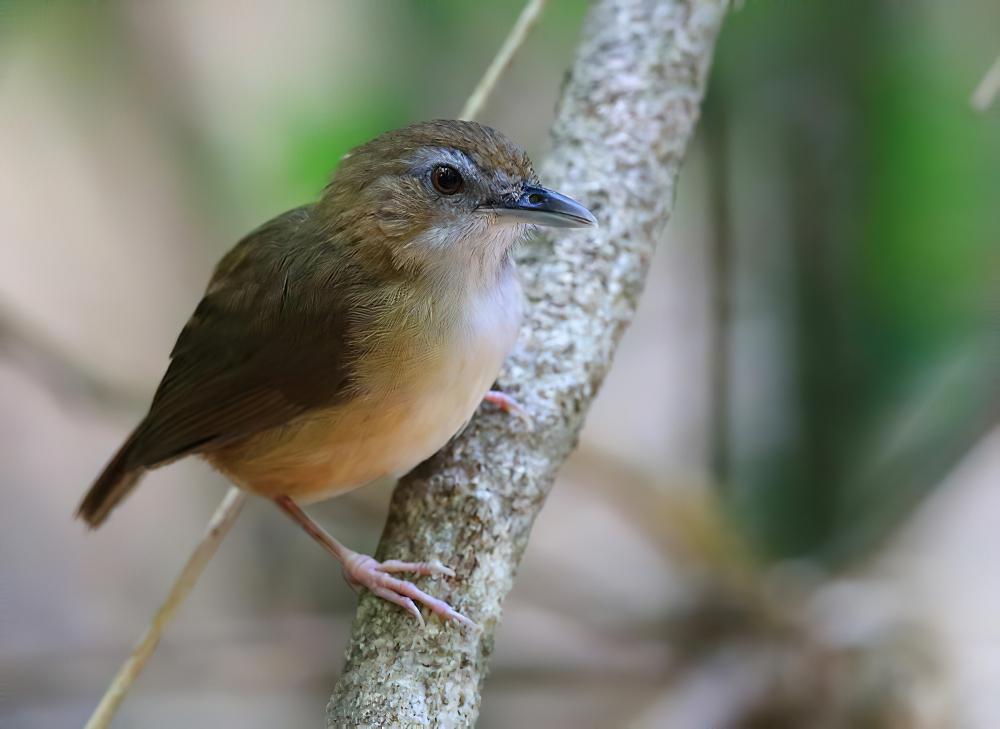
{"x": 263, "y": 346}
{"x": 257, "y": 352}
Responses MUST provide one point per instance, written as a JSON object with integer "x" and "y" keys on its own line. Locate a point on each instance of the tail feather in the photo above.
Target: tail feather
{"x": 114, "y": 484}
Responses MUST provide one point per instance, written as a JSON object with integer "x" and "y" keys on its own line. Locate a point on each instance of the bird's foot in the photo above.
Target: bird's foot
{"x": 360, "y": 570}
{"x": 509, "y": 405}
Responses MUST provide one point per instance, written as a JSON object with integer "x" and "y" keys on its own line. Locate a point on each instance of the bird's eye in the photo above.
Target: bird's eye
{"x": 446, "y": 180}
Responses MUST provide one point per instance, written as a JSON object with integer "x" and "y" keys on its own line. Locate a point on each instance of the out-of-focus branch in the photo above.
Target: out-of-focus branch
{"x": 627, "y": 113}
{"x": 63, "y": 375}
{"x": 986, "y": 92}
{"x": 515, "y": 39}
{"x": 218, "y": 527}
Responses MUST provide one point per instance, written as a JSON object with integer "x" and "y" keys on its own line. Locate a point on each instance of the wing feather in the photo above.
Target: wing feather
{"x": 254, "y": 354}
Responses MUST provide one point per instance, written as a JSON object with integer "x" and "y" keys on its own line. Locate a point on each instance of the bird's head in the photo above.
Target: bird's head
{"x": 443, "y": 196}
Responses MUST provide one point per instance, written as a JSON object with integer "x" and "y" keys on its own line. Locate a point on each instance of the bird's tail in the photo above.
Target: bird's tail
{"x": 114, "y": 484}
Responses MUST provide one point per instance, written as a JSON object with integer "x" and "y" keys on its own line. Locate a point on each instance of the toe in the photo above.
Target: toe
{"x": 364, "y": 571}
{"x": 351, "y": 581}
{"x": 511, "y": 406}
{"x": 440, "y": 607}
{"x": 404, "y": 602}
{"x": 417, "y": 568}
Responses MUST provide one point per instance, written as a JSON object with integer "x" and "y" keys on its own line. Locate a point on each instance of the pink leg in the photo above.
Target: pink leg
{"x": 360, "y": 570}
{"x": 509, "y": 405}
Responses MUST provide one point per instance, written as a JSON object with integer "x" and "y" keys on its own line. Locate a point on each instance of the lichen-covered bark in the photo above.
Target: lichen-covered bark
{"x": 627, "y": 113}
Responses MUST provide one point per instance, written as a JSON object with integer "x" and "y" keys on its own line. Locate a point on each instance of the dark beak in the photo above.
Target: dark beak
{"x": 541, "y": 206}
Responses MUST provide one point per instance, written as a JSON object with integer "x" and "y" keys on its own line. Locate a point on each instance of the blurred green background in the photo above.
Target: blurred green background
{"x": 792, "y": 469}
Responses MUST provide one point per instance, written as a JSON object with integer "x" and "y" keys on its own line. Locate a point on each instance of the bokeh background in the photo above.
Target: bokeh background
{"x": 784, "y": 509}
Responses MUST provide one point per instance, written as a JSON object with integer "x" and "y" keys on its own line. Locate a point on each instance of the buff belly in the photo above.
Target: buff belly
{"x": 332, "y": 451}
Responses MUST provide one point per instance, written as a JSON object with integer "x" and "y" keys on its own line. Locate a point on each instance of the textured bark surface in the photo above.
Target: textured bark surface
{"x": 627, "y": 113}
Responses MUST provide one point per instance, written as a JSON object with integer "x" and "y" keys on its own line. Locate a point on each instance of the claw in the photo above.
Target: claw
{"x": 509, "y": 405}
{"x": 377, "y": 578}
{"x": 404, "y": 602}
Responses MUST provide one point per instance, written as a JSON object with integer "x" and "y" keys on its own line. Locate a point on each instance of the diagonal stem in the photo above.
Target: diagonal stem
{"x": 987, "y": 90}
{"x": 512, "y": 43}
{"x": 218, "y": 527}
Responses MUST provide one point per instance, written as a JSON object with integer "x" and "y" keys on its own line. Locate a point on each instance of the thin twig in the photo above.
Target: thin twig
{"x": 64, "y": 376}
{"x": 515, "y": 39}
{"x": 234, "y": 499}
{"x": 218, "y": 527}
{"x": 987, "y": 90}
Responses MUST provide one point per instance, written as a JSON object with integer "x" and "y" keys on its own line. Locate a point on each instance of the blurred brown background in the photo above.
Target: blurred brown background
{"x": 784, "y": 509}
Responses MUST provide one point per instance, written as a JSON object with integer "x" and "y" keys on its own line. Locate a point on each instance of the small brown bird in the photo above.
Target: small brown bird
{"x": 350, "y": 339}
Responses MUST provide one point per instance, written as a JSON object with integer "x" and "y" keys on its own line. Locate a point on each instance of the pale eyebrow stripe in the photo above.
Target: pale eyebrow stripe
{"x": 422, "y": 159}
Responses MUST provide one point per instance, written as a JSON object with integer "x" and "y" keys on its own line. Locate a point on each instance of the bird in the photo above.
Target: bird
{"x": 349, "y": 339}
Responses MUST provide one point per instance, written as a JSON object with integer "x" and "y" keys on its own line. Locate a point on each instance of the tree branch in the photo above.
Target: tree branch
{"x": 626, "y": 116}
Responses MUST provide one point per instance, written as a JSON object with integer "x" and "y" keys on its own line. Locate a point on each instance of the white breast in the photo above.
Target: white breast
{"x": 484, "y": 334}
